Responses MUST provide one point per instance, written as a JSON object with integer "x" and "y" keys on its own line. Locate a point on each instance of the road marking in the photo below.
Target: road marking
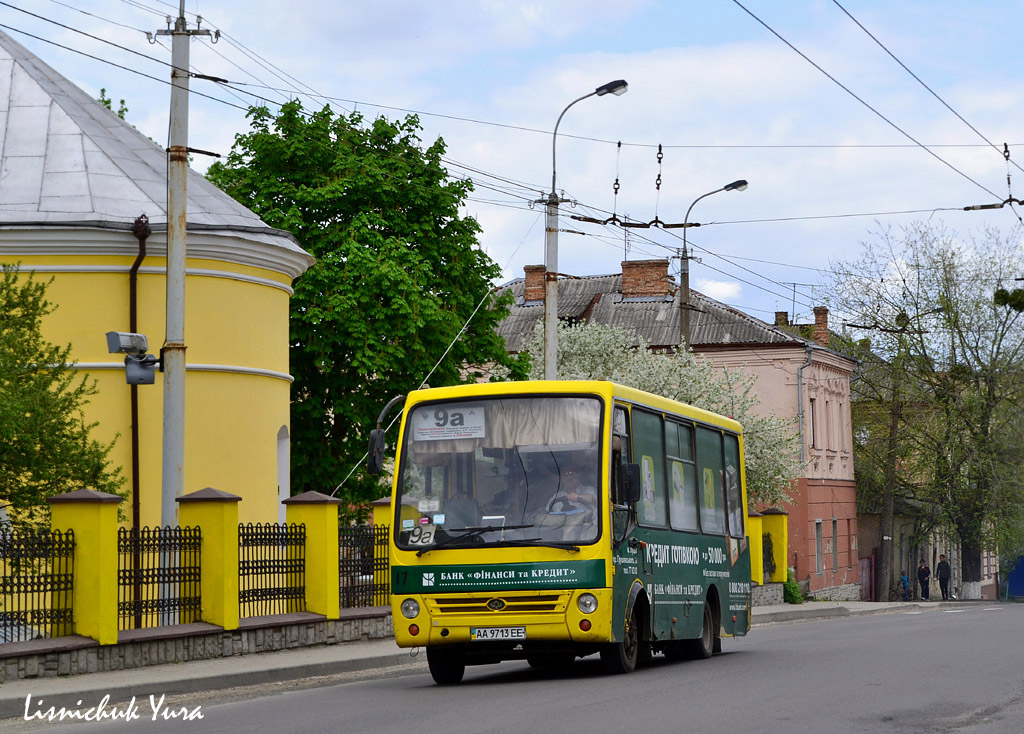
{"x": 990, "y": 609}
{"x": 954, "y": 611}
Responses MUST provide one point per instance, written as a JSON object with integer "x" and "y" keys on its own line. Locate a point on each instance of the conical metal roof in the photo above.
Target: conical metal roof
{"x": 68, "y": 161}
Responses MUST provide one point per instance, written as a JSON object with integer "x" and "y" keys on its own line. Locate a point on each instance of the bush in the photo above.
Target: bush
{"x": 791, "y": 593}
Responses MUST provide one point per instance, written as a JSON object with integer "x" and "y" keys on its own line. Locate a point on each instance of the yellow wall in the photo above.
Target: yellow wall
{"x": 232, "y": 420}
{"x": 754, "y": 540}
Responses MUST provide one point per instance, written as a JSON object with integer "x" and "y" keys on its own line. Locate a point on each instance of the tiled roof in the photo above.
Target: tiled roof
{"x": 656, "y": 319}
{"x": 66, "y": 160}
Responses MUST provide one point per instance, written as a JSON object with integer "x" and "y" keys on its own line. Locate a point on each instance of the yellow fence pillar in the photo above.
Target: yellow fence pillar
{"x": 381, "y": 510}
{"x": 754, "y": 533}
{"x": 215, "y": 513}
{"x": 93, "y": 518}
{"x": 319, "y": 513}
{"x": 776, "y": 524}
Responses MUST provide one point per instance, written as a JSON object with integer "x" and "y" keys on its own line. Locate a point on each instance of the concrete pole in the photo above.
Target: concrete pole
{"x": 617, "y": 87}
{"x": 551, "y": 288}
{"x": 173, "y": 466}
{"x": 684, "y": 266}
{"x": 684, "y": 296}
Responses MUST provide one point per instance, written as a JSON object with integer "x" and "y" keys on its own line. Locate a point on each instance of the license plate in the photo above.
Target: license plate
{"x": 497, "y": 633}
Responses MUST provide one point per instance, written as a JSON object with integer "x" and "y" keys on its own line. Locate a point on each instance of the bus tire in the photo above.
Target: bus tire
{"x": 621, "y": 657}
{"x": 704, "y": 646}
{"x": 446, "y": 666}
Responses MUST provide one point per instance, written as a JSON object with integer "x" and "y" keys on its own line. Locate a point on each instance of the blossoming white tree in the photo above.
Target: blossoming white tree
{"x": 600, "y": 352}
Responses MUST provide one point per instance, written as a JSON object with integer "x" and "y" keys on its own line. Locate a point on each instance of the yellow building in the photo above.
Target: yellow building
{"x": 73, "y": 180}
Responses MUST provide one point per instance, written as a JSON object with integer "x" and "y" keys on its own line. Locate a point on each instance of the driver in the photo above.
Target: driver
{"x": 575, "y": 503}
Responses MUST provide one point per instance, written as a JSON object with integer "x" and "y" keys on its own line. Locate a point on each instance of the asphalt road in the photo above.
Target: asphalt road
{"x": 936, "y": 671}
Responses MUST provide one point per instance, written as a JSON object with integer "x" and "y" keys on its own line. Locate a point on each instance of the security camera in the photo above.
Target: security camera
{"x": 127, "y": 342}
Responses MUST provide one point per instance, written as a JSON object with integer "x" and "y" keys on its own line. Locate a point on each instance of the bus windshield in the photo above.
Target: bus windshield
{"x": 507, "y": 471}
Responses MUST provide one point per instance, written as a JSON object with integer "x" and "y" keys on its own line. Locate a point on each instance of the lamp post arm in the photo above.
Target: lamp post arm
{"x": 554, "y": 137}
{"x": 702, "y": 196}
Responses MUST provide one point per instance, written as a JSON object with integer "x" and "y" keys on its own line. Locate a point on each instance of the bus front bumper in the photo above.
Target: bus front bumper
{"x": 503, "y": 620}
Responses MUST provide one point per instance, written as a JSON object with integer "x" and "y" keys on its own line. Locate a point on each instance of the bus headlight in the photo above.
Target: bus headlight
{"x": 587, "y": 603}
{"x": 410, "y": 608}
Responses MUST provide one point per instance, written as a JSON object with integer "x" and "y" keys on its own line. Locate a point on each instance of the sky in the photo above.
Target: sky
{"x": 814, "y": 102}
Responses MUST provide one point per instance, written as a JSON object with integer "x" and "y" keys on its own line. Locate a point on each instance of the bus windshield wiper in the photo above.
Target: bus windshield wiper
{"x": 472, "y": 532}
{"x": 530, "y": 542}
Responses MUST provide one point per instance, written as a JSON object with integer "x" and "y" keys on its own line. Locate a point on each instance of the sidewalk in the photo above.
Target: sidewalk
{"x": 307, "y": 662}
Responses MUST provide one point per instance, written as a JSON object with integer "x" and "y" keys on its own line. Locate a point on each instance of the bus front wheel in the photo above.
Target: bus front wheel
{"x": 446, "y": 667}
{"x": 621, "y": 657}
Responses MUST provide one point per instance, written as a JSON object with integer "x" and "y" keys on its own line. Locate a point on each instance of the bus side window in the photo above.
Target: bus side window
{"x": 710, "y": 478}
{"x": 649, "y": 450}
{"x": 620, "y": 453}
{"x": 682, "y": 485}
{"x": 733, "y": 495}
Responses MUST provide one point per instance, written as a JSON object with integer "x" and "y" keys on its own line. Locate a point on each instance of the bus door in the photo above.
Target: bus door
{"x": 659, "y": 560}
{"x": 626, "y": 551}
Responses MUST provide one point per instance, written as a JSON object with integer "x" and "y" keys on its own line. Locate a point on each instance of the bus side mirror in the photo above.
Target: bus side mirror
{"x": 632, "y": 483}
{"x": 375, "y": 456}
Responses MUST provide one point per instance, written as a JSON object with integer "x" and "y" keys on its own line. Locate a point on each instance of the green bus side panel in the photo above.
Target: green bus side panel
{"x": 497, "y": 577}
{"x": 677, "y": 571}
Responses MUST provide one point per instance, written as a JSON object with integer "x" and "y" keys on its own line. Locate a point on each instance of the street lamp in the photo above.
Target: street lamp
{"x": 617, "y": 87}
{"x": 684, "y": 277}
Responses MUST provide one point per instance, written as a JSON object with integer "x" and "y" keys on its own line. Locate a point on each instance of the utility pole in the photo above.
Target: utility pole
{"x": 173, "y": 351}
{"x": 684, "y": 270}
{"x": 684, "y": 298}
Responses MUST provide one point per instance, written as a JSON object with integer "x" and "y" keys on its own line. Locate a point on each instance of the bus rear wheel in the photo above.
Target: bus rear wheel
{"x": 704, "y": 646}
{"x": 446, "y": 667}
{"x": 621, "y": 657}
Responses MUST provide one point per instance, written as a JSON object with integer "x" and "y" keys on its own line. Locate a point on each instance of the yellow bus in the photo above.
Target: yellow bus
{"x": 551, "y": 520}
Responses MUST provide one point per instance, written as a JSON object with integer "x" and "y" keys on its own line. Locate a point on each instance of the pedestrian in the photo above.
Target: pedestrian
{"x": 923, "y": 575}
{"x": 905, "y": 585}
{"x": 943, "y": 572}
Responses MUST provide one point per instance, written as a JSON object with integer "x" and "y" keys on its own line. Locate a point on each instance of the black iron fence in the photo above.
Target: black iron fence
{"x": 35, "y": 584}
{"x": 271, "y": 569}
{"x": 158, "y": 578}
{"x": 363, "y": 566}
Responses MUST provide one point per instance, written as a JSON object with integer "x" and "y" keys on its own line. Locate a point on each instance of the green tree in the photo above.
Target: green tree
{"x": 45, "y": 446}
{"x": 107, "y": 102}
{"x": 947, "y": 375}
{"x": 399, "y": 274}
{"x": 600, "y": 352}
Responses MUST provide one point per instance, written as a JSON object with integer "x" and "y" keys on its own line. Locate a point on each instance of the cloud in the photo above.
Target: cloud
{"x": 720, "y": 290}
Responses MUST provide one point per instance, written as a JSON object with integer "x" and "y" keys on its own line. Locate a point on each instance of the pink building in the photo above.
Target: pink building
{"x": 798, "y": 377}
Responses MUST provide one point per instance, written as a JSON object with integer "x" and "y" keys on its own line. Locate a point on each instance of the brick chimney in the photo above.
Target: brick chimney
{"x": 534, "y": 290}
{"x": 821, "y": 325}
{"x": 782, "y": 318}
{"x": 645, "y": 278}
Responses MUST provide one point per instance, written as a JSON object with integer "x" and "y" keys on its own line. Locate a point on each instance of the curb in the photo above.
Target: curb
{"x": 800, "y": 615}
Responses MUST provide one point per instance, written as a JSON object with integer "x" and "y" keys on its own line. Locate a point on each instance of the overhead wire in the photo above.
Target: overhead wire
{"x": 850, "y": 92}
{"x": 314, "y": 94}
{"x": 921, "y": 82}
{"x": 89, "y": 35}
{"x": 516, "y": 195}
{"x": 98, "y": 17}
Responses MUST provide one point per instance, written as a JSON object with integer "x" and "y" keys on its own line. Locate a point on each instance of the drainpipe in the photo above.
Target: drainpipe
{"x": 141, "y": 230}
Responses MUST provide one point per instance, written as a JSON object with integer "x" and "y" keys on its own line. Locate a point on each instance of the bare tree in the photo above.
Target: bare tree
{"x": 943, "y": 375}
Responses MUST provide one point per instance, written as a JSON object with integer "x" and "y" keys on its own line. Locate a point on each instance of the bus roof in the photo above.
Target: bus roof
{"x": 604, "y": 388}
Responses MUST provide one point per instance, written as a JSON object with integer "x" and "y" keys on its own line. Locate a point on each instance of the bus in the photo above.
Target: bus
{"x": 550, "y": 520}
